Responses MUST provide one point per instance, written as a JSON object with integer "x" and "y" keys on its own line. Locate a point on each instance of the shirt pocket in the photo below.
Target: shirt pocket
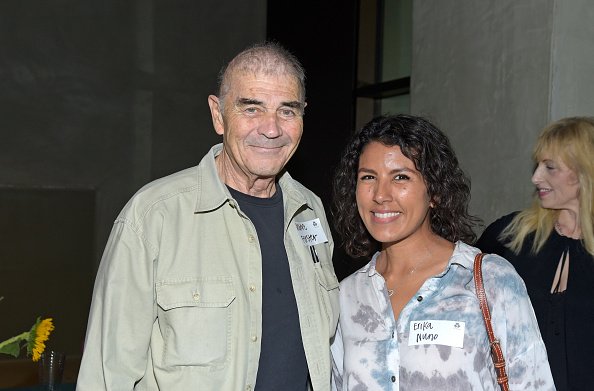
{"x": 195, "y": 317}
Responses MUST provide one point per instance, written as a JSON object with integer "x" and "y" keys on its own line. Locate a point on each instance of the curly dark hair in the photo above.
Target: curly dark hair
{"x": 430, "y": 150}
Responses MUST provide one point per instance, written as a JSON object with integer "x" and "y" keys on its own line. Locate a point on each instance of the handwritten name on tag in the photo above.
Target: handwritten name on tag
{"x": 311, "y": 232}
{"x": 436, "y": 332}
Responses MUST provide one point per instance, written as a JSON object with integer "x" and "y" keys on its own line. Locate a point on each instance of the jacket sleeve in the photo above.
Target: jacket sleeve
{"x": 121, "y": 316}
{"x": 337, "y": 360}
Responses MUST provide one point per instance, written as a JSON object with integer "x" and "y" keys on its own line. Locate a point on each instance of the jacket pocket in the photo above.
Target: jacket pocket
{"x": 195, "y": 318}
{"x": 328, "y": 292}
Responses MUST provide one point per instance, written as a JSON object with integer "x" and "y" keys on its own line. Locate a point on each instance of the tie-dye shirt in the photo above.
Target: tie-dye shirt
{"x": 439, "y": 341}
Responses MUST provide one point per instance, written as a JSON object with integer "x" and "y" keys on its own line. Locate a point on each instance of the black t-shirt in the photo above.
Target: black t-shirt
{"x": 282, "y": 364}
{"x": 565, "y": 319}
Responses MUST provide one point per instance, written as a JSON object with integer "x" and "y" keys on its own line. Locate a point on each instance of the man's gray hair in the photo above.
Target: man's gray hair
{"x": 268, "y": 58}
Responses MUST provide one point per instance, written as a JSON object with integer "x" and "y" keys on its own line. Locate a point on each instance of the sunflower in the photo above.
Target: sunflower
{"x": 37, "y": 336}
{"x": 34, "y": 340}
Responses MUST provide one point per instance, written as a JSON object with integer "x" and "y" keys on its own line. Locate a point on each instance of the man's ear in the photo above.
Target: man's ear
{"x": 216, "y": 114}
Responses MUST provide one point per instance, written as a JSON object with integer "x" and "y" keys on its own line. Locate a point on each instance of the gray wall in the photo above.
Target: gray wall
{"x": 572, "y": 76}
{"x": 96, "y": 99}
{"x": 491, "y": 74}
{"x": 108, "y": 95}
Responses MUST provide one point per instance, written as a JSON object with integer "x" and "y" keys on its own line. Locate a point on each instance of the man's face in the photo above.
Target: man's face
{"x": 261, "y": 125}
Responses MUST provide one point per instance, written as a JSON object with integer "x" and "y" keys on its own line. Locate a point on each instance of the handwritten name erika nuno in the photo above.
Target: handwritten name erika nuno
{"x": 424, "y": 331}
{"x": 438, "y": 332}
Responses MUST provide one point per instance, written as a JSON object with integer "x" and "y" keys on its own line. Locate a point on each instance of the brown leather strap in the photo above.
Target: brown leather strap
{"x": 496, "y": 353}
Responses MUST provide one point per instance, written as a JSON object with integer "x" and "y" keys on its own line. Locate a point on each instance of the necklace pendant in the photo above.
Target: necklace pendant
{"x": 558, "y": 228}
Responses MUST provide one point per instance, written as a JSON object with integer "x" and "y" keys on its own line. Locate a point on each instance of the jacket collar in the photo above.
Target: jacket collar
{"x": 213, "y": 193}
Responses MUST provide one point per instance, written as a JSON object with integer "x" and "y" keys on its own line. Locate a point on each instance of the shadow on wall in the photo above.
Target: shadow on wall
{"x": 46, "y": 262}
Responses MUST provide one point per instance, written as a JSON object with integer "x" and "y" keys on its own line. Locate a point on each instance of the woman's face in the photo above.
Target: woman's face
{"x": 391, "y": 194}
{"x": 556, "y": 184}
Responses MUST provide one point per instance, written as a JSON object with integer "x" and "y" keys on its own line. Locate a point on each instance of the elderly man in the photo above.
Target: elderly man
{"x": 220, "y": 277}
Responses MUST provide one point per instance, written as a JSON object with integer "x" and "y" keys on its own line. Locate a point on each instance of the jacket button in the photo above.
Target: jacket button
{"x": 196, "y": 296}
{"x": 420, "y": 298}
{"x": 393, "y": 379}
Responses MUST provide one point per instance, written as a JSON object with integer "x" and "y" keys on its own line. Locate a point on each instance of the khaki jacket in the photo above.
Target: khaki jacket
{"x": 177, "y": 299}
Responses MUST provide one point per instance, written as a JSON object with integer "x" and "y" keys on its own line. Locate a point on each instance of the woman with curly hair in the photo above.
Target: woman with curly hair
{"x": 551, "y": 245}
{"x": 410, "y": 318}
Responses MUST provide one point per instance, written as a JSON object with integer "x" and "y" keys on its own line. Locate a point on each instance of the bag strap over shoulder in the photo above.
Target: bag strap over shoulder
{"x": 496, "y": 352}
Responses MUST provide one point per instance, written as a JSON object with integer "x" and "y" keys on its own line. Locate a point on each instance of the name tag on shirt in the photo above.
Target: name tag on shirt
{"x": 436, "y": 332}
{"x": 311, "y": 232}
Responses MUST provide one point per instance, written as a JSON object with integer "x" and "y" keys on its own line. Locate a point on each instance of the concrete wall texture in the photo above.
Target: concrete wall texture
{"x": 97, "y": 97}
{"x": 491, "y": 74}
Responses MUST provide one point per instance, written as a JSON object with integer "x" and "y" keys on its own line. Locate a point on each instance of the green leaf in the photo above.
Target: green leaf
{"x": 12, "y": 345}
{"x": 13, "y": 348}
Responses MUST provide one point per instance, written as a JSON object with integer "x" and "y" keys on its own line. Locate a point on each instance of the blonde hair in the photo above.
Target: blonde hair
{"x": 572, "y": 140}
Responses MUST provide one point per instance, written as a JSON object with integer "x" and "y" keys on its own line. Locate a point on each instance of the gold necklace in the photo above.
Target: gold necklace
{"x": 559, "y": 230}
{"x": 408, "y": 275}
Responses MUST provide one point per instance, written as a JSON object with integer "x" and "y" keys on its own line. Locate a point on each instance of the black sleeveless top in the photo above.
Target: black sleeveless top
{"x": 565, "y": 319}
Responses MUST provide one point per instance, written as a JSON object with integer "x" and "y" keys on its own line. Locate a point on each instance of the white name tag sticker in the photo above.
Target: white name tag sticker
{"x": 311, "y": 232}
{"x": 436, "y": 332}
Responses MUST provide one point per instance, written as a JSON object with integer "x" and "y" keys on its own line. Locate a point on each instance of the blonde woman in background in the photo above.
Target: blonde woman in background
{"x": 551, "y": 245}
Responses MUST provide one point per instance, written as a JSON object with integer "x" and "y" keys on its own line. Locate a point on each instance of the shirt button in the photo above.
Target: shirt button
{"x": 393, "y": 379}
{"x": 420, "y": 298}
{"x": 252, "y": 288}
{"x": 248, "y": 388}
{"x": 196, "y": 296}
{"x": 254, "y": 338}
{"x": 251, "y": 238}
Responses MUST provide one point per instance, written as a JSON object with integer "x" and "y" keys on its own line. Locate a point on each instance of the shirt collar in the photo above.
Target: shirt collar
{"x": 463, "y": 255}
